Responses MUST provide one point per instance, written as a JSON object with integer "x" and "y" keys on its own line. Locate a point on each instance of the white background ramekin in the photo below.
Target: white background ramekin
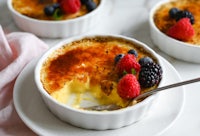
{"x": 177, "y": 49}
{"x": 58, "y": 29}
{"x": 94, "y": 119}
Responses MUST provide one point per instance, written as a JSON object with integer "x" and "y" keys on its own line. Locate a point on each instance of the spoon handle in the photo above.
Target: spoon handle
{"x": 166, "y": 87}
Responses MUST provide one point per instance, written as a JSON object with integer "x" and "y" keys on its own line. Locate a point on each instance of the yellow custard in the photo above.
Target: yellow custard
{"x": 164, "y": 22}
{"x": 84, "y": 71}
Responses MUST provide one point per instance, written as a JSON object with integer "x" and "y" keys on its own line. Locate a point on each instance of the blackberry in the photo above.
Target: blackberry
{"x": 145, "y": 60}
{"x": 134, "y": 52}
{"x": 184, "y": 13}
{"x": 150, "y": 74}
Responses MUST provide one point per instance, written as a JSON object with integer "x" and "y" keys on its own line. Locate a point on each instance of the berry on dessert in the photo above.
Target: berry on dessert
{"x": 62, "y": 7}
{"x": 49, "y": 10}
{"x": 70, "y": 6}
{"x": 183, "y": 14}
{"x": 145, "y": 60}
{"x": 90, "y": 4}
{"x": 118, "y": 57}
{"x": 134, "y": 52}
{"x": 173, "y": 12}
{"x": 128, "y": 87}
{"x": 182, "y": 30}
{"x": 56, "y": 5}
{"x": 177, "y": 14}
{"x": 150, "y": 74}
{"x": 128, "y": 64}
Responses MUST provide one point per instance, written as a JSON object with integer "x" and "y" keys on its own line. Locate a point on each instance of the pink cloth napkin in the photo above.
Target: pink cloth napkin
{"x": 16, "y": 50}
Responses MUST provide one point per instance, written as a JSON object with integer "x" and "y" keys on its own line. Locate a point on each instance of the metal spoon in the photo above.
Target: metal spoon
{"x": 111, "y": 107}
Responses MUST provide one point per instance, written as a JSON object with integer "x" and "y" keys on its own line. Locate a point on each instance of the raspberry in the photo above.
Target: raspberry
{"x": 128, "y": 87}
{"x": 70, "y": 6}
{"x": 150, "y": 74}
{"x": 182, "y": 30}
{"x": 127, "y": 64}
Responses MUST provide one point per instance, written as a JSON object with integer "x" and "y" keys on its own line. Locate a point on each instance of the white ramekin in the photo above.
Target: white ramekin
{"x": 95, "y": 119}
{"x": 175, "y": 48}
{"x": 58, "y": 29}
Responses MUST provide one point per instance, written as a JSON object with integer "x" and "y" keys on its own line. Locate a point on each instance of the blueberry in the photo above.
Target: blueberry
{"x": 90, "y": 5}
{"x": 173, "y": 12}
{"x": 134, "y": 52}
{"x": 118, "y": 57}
{"x": 49, "y": 10}
{"x": 143, "y": 61}
{"x": 56, "y": 5}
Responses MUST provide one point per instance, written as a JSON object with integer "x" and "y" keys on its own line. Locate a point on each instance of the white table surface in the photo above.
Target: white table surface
{"x": 130, "y": 18}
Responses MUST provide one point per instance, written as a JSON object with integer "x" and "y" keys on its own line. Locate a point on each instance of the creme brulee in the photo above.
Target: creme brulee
{"x": 77, "y": 72}
{"x": 35, "y": 9}
{"x": 164, "y": 22}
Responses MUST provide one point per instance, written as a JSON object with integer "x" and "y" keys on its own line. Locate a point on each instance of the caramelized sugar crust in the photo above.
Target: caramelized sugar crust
{"x": 35, "y": 9}
{"x": 164, "y": 22}
{"x": 91, "y": 58}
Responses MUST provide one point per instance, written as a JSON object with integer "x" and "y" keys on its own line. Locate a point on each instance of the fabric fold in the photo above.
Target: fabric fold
{"x": 16, "y": 50}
